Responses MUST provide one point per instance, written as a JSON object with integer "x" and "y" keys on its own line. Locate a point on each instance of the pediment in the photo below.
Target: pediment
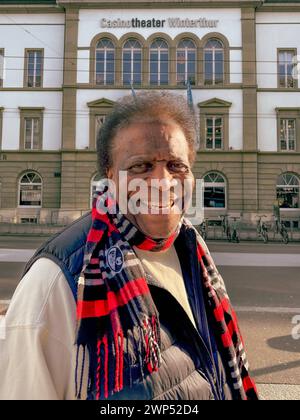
{"x": 101, "y": 103}
{"x": 214, "y": 103}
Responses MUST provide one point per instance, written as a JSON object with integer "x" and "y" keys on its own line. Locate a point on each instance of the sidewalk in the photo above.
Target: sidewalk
{"x": 279, "y": 392}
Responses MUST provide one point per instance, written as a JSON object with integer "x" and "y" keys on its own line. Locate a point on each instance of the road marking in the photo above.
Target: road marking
{"x": 262, "y": 309}
{"x": 257, "y": 309}
{"x": 15, "y": 255}
{"x": 232, "y": 259}
{"x": 235, "y": 259}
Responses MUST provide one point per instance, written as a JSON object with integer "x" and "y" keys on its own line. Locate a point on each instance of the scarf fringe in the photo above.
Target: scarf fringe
{"x": 148, "y": 343}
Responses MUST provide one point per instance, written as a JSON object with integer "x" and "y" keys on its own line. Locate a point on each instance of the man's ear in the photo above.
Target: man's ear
{"x": 109, "y": 173}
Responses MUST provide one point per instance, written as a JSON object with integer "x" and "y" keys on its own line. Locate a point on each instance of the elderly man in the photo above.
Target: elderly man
{"x": 126, "y": 303}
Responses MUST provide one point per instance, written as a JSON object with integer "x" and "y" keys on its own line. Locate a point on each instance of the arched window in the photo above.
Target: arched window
{"x": 132, "y": 62}
{"x": 94, "y": 183}
{"x": 30, "y": 190}
{"x": 186, "y": 62}
{"x": 159, "y": 62}
{"x": 213, "y": 62}
{"x": 214, "y": 191}
{"x": 287, "y": 191}
{"x": 105, "y": 62}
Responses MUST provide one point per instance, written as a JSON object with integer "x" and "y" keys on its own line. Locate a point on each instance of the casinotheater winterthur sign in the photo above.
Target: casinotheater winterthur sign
{"x": 159, "y": 23}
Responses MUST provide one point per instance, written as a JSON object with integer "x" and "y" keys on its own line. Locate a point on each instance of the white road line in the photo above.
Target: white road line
{"x": 272, "y": 310}
{"x": 15, "y": 255}
{"x": 256, "y": 309}
{"x": 256, "y": 260}
{"x": 233, "y": 259}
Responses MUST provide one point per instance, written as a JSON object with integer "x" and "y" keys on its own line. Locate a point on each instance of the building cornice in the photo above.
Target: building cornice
{"x": 30, "y": 8}
{"x": 156, "y": 4}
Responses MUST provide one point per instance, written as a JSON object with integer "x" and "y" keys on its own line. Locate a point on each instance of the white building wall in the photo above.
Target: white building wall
{"x": 267, "y": 102}
{"x": 20, "y": 31}
{"x": 52, "y": 121}
{"x": 274, "y": 30}
{"x": 228, "y": 25}
{"x": 235, "y": 115}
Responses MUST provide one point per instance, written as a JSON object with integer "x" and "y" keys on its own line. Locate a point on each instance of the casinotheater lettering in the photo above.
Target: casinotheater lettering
{"x": 159, "y": 23}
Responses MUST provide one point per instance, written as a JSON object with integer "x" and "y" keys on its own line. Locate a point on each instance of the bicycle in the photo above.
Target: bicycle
{"x": 234, "y": 237}
{"x": 262, "y": 229}
{"x": 282, "y": 230}
{"x": 226, "y": 227}
{"x": 203, "y": 229}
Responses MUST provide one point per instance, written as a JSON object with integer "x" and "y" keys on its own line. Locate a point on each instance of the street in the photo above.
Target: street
{"x": 263, "y": 281}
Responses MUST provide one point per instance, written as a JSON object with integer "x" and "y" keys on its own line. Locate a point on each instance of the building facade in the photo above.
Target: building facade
{"x": 64, "y": 63}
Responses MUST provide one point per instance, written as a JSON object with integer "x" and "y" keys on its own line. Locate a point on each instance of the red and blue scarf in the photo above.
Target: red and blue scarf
{"x": 114, "y": 302}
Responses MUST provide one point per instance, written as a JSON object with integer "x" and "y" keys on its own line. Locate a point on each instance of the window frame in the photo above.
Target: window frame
{"x": 288, "y": 114}
{"x": 100, "y": 107}
{"x": 205, "y": 49}
{"x": 186, "y": 62}
{"x": 114, "y": 49}
{"x": 25, "y": 113}
{"x": 295, "y": 81}
{"x": 215, "y": 185}
{"x": 159, "y": 51}
{"x": 19, "y": 191}
{"x": 214, "y": 118}
{"x": 132, "y": 61}
{"x": 278, "y": 186}
{"x": 26, "y": 63}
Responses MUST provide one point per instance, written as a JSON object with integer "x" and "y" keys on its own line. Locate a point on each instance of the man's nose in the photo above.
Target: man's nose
{"x": 161, "y": 172}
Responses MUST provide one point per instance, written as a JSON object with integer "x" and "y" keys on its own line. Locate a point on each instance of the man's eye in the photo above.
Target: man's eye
{"x": 178, "y": 167}
{"x": 140, "y": 167}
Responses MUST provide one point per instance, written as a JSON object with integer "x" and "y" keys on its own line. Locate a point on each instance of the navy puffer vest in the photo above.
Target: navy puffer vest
{"x": 188, "y": 370}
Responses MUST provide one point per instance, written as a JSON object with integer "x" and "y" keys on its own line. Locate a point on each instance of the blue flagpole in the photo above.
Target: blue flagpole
{"x": 133, "y": 91}
{"x": 189, "y": 95}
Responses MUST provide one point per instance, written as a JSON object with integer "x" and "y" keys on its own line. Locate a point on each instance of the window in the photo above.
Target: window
{"x": 288, "y": 129}
{"x": 30, "y": 190}
{"x": 214, "y": 124}
{"x": 31, "y": 128}
{"x": 98, "y": 111}
{"x": 94, "y": 183}
{"x": 31, "y": 133}
{"x": 105, "y": 62}
{"x": 285, "y": 69}
{"x": 159, "y": 63}
{"x": 33, "y": 68}
{"x": 287, "y": 191}
{"x": 214, "y": 132}
{"x": 1, "y": 66}
{"x": 214, "y": 191}
{"x": 186, "y": 62}
{"x": 213, "y": 62}
{"x": 287, "y": 134}
{"x": 132, "y": 62}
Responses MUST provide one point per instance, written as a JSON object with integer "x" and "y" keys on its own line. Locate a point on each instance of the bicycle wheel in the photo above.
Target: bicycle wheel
{"x": 265, "y": 236}
{"x": 285, "y": 237}
{"x": 228, "y": 233}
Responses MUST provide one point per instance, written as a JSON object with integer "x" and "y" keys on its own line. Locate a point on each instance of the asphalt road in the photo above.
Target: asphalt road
{"x": 263, "y": 282}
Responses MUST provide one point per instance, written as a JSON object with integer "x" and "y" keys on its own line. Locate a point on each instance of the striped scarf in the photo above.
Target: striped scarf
{"x": 114, "y": 302}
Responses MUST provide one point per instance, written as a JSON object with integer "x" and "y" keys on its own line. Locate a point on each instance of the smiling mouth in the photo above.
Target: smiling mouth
{"x": 156, "y": 206}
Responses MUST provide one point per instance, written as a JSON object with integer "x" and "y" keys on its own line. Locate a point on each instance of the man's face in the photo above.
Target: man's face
{"x": 152, "y": 153}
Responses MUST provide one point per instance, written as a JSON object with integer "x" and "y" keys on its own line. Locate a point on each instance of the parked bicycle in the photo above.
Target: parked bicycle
{"x": 282, "y": 230}
{"x": 233, "y": 235}
{"x": 262, "y": 229}
{"x": 225, "y": 226}
{"x": 203, "y": 229}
